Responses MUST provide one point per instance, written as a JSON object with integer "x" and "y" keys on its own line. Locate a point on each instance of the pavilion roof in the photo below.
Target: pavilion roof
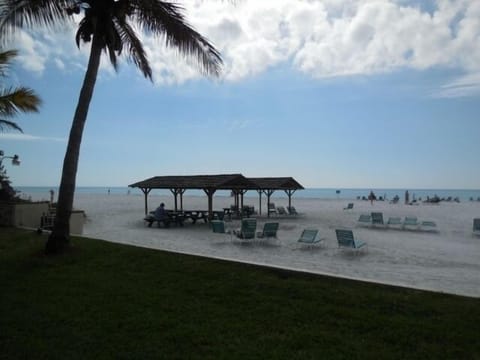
{"x": 277, "y": 183}
{"x": 218, "y": 182}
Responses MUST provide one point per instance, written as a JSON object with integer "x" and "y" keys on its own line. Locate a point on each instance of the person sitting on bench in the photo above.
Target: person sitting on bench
{"x": 160, "y": 215}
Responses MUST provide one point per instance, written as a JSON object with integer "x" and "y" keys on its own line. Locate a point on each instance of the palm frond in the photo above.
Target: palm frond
{"x": 112, "y": 40}
{"x": 29, "y": 13}
{"x": 166, "y": 19}
{"x": 110, "y": 49}
{"x": 6, "y": 58}
{"x": 84, "y": 32}
{"x": 136, "y": 52}
{"x": 15, "y": 100}
{"x": 9, "y": 125}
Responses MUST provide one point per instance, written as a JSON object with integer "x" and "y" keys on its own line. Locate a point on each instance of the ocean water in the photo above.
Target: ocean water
{"x": 43, "y": 193}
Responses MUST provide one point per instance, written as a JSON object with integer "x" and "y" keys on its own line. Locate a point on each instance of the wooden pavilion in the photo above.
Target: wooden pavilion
{"x": 268, "y": 185}
{"x": 236, "y": 183}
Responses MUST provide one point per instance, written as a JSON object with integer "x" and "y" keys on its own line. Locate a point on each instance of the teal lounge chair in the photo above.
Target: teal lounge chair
{"x": 269, "y": 230}
{"x": 411, "y": 222}
{"x": 347, "y": 241}
{"x": 349, "y": 206}
{"x": 309, "y": 237}
{"x": 292, "y": 210}
{"x": 428, "y": 226}
{"x": 272, "y": 209}
{"x": 394, "y": 221}
{"x": 476, "y": 226}
{"x": 218, "y": 226}
{"x": 377, "y": 219}
{"x": 247, "y": 230}
{"x": 365, "y": 219}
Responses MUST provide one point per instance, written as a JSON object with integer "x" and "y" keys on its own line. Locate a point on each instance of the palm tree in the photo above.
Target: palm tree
{"x": 14, "y": 99}
{"x": 108, "y": 25}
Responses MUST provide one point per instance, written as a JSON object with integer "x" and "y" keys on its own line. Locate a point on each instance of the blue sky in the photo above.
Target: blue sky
{"x": 368, "y": 94}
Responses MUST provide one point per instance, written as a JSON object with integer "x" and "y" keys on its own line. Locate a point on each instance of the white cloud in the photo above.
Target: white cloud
{"x": 341, "y": 37}
{"x": 32, "y": 54}
{"x": 238, "y": 124}
{"x": 59, "y": 63}
{"x": 322, "y": 38}
{"x": 28, "y": 137}
{"x": 463, "y": 86}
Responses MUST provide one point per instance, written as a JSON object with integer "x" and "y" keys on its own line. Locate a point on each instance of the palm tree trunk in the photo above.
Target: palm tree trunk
{"x": 60, "y": 236}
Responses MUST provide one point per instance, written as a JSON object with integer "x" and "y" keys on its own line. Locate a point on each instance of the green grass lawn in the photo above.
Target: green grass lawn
{"x": 104, "y": 300}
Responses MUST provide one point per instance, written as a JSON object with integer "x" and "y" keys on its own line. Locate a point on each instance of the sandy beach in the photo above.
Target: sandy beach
{"x": 446, "y": 260}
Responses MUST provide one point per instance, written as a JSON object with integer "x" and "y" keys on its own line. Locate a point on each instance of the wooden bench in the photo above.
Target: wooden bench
{"x": 172, "y": 218}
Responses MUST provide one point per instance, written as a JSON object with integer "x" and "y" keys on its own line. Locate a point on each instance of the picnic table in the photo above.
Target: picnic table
{"x": 179, "y": 217}
{"x": 195, "y": 215}
{"x": 173, "y": 217}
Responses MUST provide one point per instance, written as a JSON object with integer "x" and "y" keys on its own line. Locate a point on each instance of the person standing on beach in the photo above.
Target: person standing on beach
{"x": 407, "y": 197}
{"x": 371, "y": 197}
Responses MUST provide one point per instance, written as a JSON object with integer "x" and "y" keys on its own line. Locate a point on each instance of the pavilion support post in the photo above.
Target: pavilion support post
{"x": 210, "y": 193}
{"x": 241, "y": 193}
{"x": 236, "y": 202}
{"x": 259, "y": 202}
{"x": 269, "y": 193}
{"x": 146, "y": 191}
{"x": 241, "y": 200}
{"x": 289, "y": 193}
{"x": 175, "y": 196}
{"x": 182, "y": 191}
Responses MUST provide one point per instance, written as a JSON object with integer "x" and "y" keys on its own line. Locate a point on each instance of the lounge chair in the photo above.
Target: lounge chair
{"x": 281, "y": 210}
{"x": 411, "y": 222}
{"x": 271, "y": 209}
{"x": 218, "y": 226}
{"x": 476, "y": 226}
{"x": 394, "y": 221}
{"x": 347, "y": 241}
{"x": 348, "y": 207}
{"x": 395, "y": 200}
{"x": 292, "y": 210}
{"x": 269, "y": 230}
{"x": 377, "y": 219}
{"x": 309, "y": 237}
{"x": 219, "y": 215}
{"x": 247, "y": 230}
{"x": 428, "y": 226}
{"x": 248, "y": 211}
{"x": 364, "y": 219}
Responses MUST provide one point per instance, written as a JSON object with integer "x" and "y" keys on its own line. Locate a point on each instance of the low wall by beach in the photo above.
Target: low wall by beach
{"x": 22, "y": 214}
{"x": 30, "y": 214}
